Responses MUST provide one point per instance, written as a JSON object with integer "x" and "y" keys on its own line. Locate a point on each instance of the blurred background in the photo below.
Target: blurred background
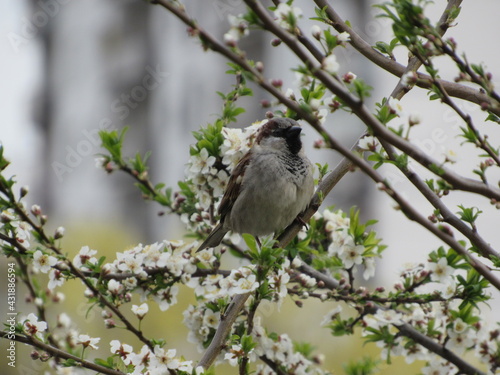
{"x": 71, "y": 68}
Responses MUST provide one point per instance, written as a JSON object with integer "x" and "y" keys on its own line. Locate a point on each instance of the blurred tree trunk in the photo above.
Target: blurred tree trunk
{"x": 96, "y": 56}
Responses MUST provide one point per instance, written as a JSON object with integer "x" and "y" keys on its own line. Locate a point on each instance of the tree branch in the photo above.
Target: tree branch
{"x": 58, "y": 353}
{"x": 454, "y": 89}
{"x": 225, "y": 325}
{"x": 405, "y": 329}
{"x": 365, "y": 115}
{"x": 49, "y": 244}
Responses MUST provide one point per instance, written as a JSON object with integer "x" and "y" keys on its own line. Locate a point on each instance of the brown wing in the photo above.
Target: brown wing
{"x": 233, "y": 187}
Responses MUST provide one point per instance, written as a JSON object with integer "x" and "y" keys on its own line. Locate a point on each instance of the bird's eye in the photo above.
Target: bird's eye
{"x": 280, "y": 132}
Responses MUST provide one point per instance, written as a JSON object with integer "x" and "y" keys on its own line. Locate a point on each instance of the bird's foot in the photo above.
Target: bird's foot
{"x": 302, "y": 222}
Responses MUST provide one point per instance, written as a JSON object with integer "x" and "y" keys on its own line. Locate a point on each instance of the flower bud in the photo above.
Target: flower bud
{"x": 24, "y": 190}
{"x": 319, "y": 143}
{"x": 319, "y": 359}
{"x": 349, "y": 77}
{"x": 6, "y": 217}
{"x": 35, "y": 355}
{"x": 277, "y": 83}
{"x": 316, "y": 32}
{"x": 276, "y": 42}
{"x": 265, "y": 103}
{"x": 59, "y": 233}
{"x": 36, "y": 210}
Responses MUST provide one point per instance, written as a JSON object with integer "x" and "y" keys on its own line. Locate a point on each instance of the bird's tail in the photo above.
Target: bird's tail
{"x": 214, "y": 238}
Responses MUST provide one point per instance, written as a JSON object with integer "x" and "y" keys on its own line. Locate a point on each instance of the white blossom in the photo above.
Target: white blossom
{"x": 153, "y": 255}
{"x": 459, "y": 326}
{"x": 200, "y": 163}
{"x": 279, "y": 283}
{"x": 239, "y": 29}
{"x": 297, "y": 262}
{"x": 130, "y": 262}
{"x": 409, "y": 78}
{"x": 458, "y": 342}
{"x": 230, "y": 38}
{"x": 86, "y": 254}
{"x": 369, "y": 263}
{"x": 234, "y": 146}
{"x": 388, "y": 316}
{"x": 140, "y": 311}
{"x": 441, "y": 272}
{"x": 166, "y": 297}
{"x": 211, "y": 318}
{"x": 167, "y": 358}
{"x": 343, "y": 37}
{"x": 88, "y": 341}
{"x": 55, "y": 278}
{"x": 307, "y": 280}
{"x": 141, "y": 359}
{"x": 234, "y": 354}
{"x": 450, "y": 156}
{"x": 33, "y": 327}
{"x": 43, "y": 262}
{"x": 206, "y": 256}
{"x": 351, "y": 254}
{"x": 330, "y": 64}
{"x": 414, "y": 118}
{"x": 115, "y": 287}
{"x": 286, "y": 15}
{"x": 331, "y": 315}
{"x": 437, "y": 366}
{"x": 369, "y": 143}
{"x": 316, "y": 31}
{"x": 22, "y": 230}
{"x": 245, "y": 285}
{"x": 59, "y": 233}
{"x": 123, "y": 350}
{"x": 395, "y": 105}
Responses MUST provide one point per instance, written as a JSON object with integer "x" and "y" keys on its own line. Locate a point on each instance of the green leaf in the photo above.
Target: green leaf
{"x": 364, "y": 366}
{"x": 436, "y": 169}
{"x": 470, "y": 214}
{"x": 321, "y": 14}
{"x": 305, "y": 348}
{"x": 113, "y": 142}
{"x": 69, "y": 363}
{"x": 251, "y": 242}
{"x": 247, "y": 343}
{"x": 108, "y": 363}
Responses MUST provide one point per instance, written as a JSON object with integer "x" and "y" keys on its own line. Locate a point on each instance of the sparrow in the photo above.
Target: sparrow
{"x": 269, "y": 187}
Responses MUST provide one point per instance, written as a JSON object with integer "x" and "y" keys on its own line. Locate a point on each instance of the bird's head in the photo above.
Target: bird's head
{"x": 280, "y": 134}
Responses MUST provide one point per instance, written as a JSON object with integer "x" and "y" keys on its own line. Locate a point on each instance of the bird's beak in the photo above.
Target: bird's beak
{"x": 293, "y": 132}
